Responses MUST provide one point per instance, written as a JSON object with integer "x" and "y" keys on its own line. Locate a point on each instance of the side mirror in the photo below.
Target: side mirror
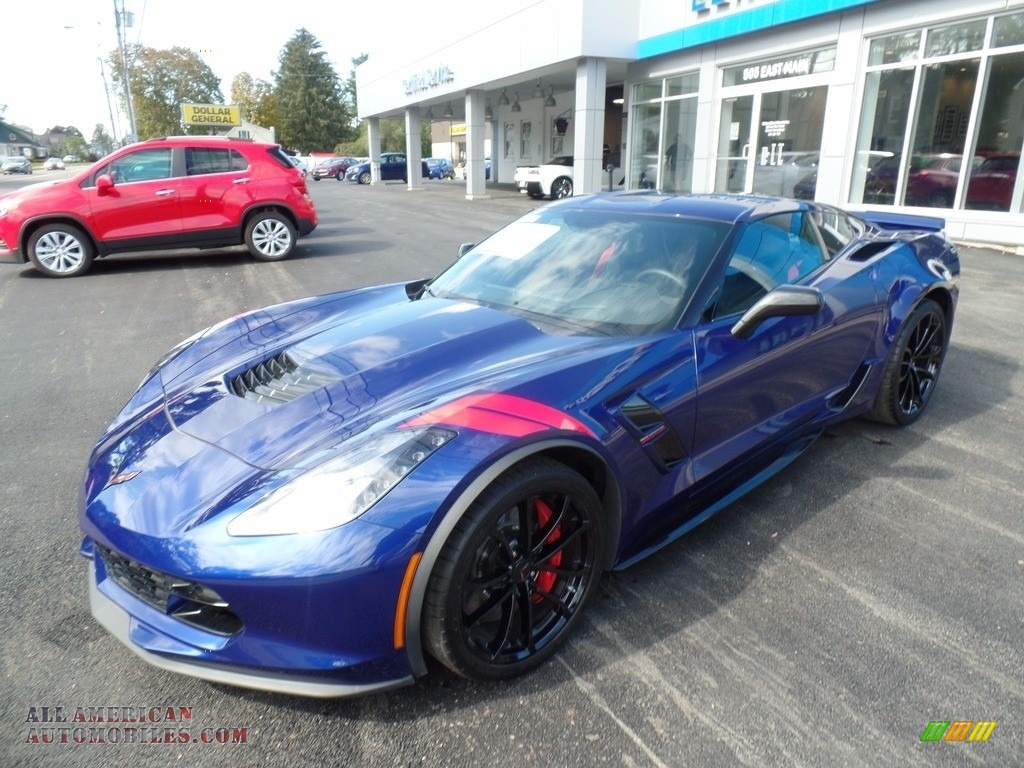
{"x": 466, "y": 248}
{"x": 104, "y": 183}
{"x": 784, "y": 301}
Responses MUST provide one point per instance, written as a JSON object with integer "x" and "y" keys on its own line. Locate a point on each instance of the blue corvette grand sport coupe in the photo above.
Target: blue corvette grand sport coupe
{"x": 316, "y": 497}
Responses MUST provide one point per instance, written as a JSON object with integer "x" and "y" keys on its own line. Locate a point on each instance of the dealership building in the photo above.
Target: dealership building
{"x": 913, "y": 105}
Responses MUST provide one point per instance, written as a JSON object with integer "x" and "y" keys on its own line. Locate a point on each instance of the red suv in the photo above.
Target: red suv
{"x": 166, "y": 193}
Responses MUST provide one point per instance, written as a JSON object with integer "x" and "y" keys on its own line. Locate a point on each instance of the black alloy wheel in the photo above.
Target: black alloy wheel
{"x": 516, "y": 572}
{"x": 913, "y": 366}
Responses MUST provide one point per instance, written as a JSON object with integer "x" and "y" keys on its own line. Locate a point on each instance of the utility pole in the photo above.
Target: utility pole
{"x": 123, "y": 20}
{"x": 106, "y": 92}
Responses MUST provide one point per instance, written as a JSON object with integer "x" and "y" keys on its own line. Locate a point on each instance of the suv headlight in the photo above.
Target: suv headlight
{"x": 342, "y": 488}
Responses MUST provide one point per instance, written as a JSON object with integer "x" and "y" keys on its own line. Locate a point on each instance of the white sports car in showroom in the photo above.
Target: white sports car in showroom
{"x": 553, "y": 178}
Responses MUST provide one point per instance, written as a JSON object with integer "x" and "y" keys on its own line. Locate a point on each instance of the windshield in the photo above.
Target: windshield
{"x": 588, "y": 272}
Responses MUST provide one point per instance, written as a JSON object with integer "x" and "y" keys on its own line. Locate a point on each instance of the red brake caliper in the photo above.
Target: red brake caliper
{"x": 546, "y": 579}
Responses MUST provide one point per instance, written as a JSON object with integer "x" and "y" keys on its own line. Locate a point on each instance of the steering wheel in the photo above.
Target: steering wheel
{"x": 665, "y": 274}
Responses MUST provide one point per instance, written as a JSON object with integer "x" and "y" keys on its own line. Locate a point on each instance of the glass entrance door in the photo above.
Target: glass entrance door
{"x": 734, "y": 145}
{"x": 770, "y": 143}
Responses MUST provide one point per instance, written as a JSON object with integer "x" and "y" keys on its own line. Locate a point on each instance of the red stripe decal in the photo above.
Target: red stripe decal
{"x": 501, "y": 414}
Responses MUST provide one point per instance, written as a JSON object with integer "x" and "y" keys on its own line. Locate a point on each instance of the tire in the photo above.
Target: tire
{"x": 562, "y": 187}
{"x": 913, "y": 365}
{"x": 270, "y": 236}
{"x": 499, "y": 603}
{"x": 60, "y": 250}
{"x": 364, "y": 177}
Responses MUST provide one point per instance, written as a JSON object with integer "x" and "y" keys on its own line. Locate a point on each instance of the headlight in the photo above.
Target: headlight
{"x": 342, "y": 488}
{"x": 6, "y": 206}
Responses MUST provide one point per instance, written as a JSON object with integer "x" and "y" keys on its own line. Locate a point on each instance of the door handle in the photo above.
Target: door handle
{"x": 241, "y": 181}
{"x": 164, "y": 192}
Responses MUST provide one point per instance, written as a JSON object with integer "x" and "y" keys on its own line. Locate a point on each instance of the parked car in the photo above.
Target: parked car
{"x": 440, "y": 168}
{"x": 15, "y": 164}
{"x": 167, "y": 193}
{"x": 53, "y": 164}
{"x": 992, "y": 182}
{"x": 553, "y": 178}
{"x": 333, "y": 168}
{"x": 299, "y": 163}
{"x": 70, "y": 159}
{"x": 317, "y": 497}
{"x": 392, "y": 168}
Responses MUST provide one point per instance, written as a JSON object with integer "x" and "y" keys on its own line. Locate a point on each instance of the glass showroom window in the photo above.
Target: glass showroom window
{"x": 942, "y": 120}
{"x": 663, "y": 127}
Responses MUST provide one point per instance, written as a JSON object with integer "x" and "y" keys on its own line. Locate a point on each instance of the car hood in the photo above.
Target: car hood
{"x": 32, "y": 191}
{"x": 284, "y": 390}
{"x": 209, "y": 429}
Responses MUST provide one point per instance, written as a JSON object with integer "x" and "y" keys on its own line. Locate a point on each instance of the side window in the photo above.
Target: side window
{"x": 837, "y": 230}
{"x": 144, "y": 165}
{"x": 772, "y": 251}
{"x": 202, "y": 160}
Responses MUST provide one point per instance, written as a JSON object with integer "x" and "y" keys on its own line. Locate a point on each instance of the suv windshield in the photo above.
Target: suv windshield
{"x": 587, "y": 272}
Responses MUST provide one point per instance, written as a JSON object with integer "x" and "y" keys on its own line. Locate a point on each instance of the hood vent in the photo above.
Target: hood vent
{"x": 278, "y": 379}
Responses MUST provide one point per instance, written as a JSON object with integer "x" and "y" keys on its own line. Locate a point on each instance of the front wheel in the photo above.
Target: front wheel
{"x": 364, "y": 177}
{"x": 60, "y": 250}
{"x": 561, "y": 188}
{"x": 270, "y": 236}
{"x": 913, "y": 366}
{"x": 513, "y": 578}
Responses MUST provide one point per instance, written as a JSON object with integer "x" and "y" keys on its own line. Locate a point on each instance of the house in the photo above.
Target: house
{"x": 19, "y": 141}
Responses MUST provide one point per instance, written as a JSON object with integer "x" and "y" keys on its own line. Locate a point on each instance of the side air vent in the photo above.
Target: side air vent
{"x": 653, "y": 431}
{"x": 870, "y": 250}
{"x": 278, "y": 379}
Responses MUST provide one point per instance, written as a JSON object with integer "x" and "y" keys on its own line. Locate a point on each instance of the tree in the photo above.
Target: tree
{"x": 161, "y": 81}
{"x": 350, "y": 89}
{"x": 255, "y": 99}
{"x": 313, "y": 114}
{"x": 74, "y": 144}
{"x": 392, "y": 139}
{"x": 102, "y": 141}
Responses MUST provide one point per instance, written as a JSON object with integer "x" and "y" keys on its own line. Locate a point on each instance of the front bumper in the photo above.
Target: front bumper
{"x": 138, "y": 627}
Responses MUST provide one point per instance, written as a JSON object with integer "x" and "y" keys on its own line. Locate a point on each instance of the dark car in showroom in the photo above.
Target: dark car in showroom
{"x": 392, "y": 168}
{"x": 323, "y": 497}
{"x": 992, "y": 183}
{"x": 332, "y": 168}
{"x": 167, "y": 193}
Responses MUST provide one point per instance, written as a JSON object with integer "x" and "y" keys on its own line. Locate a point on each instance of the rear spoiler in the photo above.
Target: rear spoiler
{"x": 888, "y": 220}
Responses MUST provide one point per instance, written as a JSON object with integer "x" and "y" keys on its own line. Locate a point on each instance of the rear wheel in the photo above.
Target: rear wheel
{"x": 60, "y": 250}
{"x": 912, "y": 367}
{"x": 270, "y": 236}
{"x": 514, "y": 576}
{"x": 561, "y": 188}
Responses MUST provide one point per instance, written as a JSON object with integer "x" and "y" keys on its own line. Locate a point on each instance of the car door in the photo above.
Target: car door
{"x": 218, "y": 186}
{"x": 392, "y": 167}
{"x": 753, "y": 391}
{"x": 143, "y": 204}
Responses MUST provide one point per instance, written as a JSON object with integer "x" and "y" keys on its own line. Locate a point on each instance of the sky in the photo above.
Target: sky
{"x": 52, "y": 74}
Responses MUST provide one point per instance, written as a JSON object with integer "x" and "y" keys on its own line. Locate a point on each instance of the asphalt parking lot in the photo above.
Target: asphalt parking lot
{"x": 826, "y": 619}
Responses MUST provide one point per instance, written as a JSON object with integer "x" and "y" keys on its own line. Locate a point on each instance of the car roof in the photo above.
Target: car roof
{"x": 715, "y": 206}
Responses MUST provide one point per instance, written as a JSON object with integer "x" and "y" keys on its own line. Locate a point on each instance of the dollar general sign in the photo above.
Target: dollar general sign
{"x": 210, "y": 114}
